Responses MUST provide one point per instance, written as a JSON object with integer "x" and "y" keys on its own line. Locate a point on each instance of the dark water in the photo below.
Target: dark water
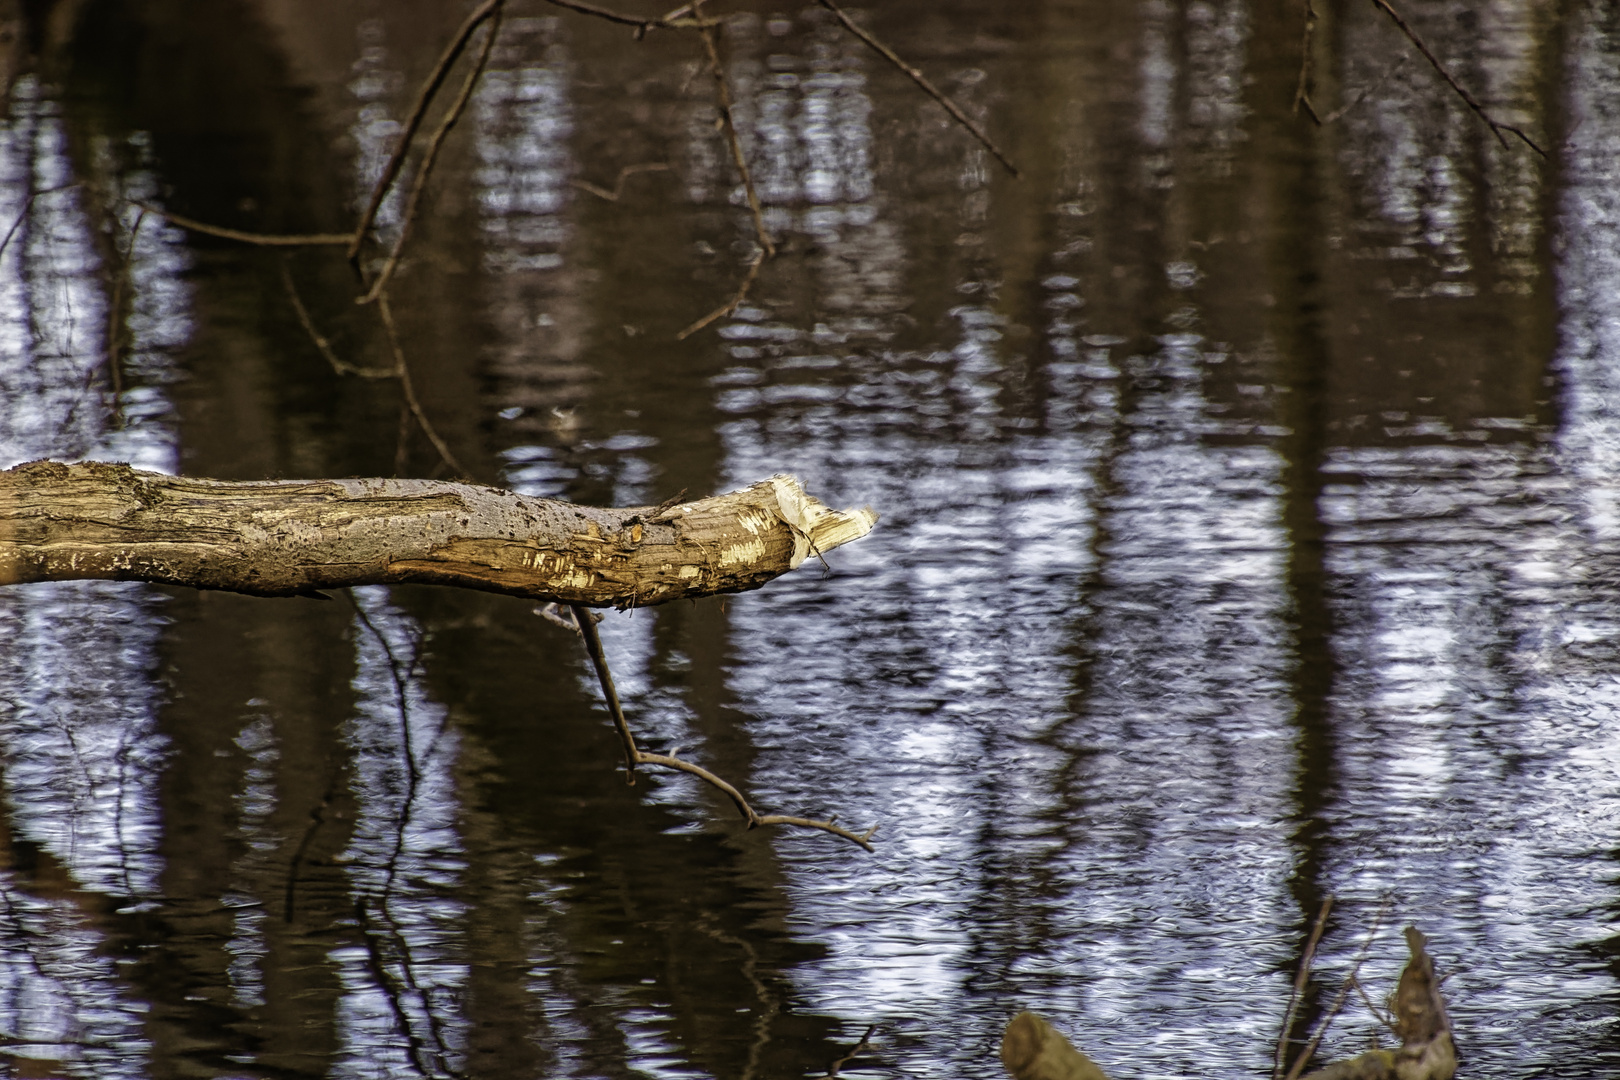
{"x": 1250, "y": 531}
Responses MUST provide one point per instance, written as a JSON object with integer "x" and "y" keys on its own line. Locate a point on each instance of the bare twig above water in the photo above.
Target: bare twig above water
{"x": 260, "y": 239}
{"x": 1299, "y": 987}
{"x": 1497, "y": 128}
{"x": 618, "y": 185}
{"x": 733, "y": 304}
{"x": 431, "y": 155}
{"x": 342, "y": 367}
{"x": 430, "y": 87}
{"x": 1306, "y": 1054}
{"x": 722, "y": 91}
{"x": 409, "y": 388}
{"x": 922, "y": 81}
{"x": 634, "y": 756}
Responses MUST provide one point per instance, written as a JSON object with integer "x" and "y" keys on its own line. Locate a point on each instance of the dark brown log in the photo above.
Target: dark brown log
{"x": 61, "y": 522}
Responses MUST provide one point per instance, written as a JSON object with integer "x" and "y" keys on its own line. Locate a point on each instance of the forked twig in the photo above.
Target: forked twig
{"x": 634, "y": 756}
{"x": 618, "y": 185}
{"x": 1473, "y": 103}
{"x": 736, "y": 301}
{"x": 424, "y": 98}
{"x": 1306, "y": 1054}
{"x": 1299, "y": 986}
{"x": 921, "y": 80}
{"x": 431, "y": 155}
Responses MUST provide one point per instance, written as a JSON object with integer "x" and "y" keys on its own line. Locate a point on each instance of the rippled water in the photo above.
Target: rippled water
{"x": 1249, "y": 516}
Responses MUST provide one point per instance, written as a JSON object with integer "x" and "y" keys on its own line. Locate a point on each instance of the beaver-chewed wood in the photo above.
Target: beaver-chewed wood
{"x": 63, "y": 522}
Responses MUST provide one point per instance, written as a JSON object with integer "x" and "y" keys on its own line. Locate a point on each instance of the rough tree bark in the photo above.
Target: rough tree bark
{"x": 61, "y": 522}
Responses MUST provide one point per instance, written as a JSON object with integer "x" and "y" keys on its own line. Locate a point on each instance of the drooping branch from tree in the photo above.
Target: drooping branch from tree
{"x": 94, "y": 520}
{"x": 634, "y": 755}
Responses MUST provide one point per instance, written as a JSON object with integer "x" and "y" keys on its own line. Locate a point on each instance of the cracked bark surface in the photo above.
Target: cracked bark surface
{"x": 64, "y": 522}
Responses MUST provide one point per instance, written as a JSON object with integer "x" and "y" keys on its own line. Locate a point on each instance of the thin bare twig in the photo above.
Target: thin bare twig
{"x": 1309, "y": 1052}
{"x": 1307, "y": 64}
{"x": 733, "y": 304}
{"x": 431, "y": 155}
{"x": 424, "y": 98}
{"x": 342, "y": 367}
{"x": 634, "y": 756}
{"x": 1382, "y": 1017}
{"x": 1473, "y": 103}
{"x": 593, "y": 647}
{"x": 409, "y": 388}
{"x": 722, "y": 89}
{"x": 261, "y": 239}
{"x": 28, "y": 204}
{"x": 1366, "y": 91}
{"x": 618, "y": 185}
{"x": 854, "y": 1052}
{"x": 1299, "y": 986}
{"x": 922, "y": 81}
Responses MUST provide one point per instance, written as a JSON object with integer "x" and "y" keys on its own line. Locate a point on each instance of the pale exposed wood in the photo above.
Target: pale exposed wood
{"x": 61, "y": 522}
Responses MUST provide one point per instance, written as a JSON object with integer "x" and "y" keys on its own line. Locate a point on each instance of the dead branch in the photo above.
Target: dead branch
{"x": 94, "y": 520}
{"x": 634, "y": 756}
{"x": 424, "y": 97}
{"x": 1473, "y": 103}
{"x": 922, "y": 81}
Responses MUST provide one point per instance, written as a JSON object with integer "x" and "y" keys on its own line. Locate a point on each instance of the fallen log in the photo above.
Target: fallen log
{"x": 94, "y": 520}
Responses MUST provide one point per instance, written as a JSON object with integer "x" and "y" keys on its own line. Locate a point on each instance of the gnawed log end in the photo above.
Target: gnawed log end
{"x": 87, "y": 520}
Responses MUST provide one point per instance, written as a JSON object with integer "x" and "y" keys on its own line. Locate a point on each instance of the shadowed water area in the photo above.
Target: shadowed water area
{"x": 1250, "y": 498}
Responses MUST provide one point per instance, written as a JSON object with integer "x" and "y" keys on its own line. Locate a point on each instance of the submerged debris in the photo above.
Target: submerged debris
{"x": 1031, "y": 1049}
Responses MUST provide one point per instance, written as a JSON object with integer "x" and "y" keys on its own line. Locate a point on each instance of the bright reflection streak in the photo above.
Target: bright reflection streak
{"x": 400, "y": 1013}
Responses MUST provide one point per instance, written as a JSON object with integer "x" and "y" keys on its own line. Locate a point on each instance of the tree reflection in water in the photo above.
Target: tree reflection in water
{"x": 1248, "y": 494}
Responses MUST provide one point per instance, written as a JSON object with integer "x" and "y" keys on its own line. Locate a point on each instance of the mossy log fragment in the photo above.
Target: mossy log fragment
{"x": 64, "y": 522}
{"x": 1032, "y": 1049}
{"x": 1426, "y": 1051}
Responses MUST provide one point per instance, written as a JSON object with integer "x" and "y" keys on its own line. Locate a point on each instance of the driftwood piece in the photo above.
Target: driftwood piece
{"x": 61, "y": 522}
{"x": 1032, "y": 1049}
